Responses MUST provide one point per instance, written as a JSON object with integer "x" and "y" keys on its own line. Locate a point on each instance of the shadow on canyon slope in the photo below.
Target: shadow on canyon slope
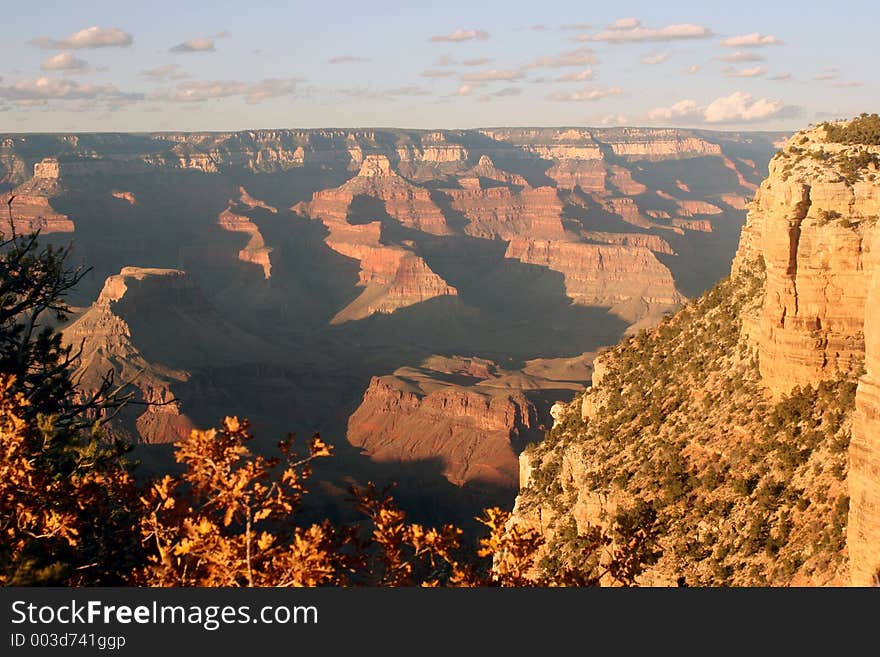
{"x": 266, "y": 350}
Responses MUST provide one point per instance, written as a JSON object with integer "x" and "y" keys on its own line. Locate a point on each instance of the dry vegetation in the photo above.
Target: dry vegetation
{"x": 71, "y": 513}
{"x": 745, "y": 491}
{"x": 864, "y": 129}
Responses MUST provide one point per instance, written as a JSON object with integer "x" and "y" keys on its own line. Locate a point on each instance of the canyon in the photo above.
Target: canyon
{"x": 422, "y": 298}
{"x": 747, "y": 421}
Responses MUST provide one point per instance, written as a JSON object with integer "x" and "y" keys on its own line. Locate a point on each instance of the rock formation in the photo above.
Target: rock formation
{"x": 410, "y": 205}
{"x": 255, "y": 251}
{"x": 393, "y": 276}
{"x": 639, "y": 143}
{"x": 501, "y": 213}
{"x": 31, "y": 209}
{"x": 599, "y": 275}
{"x": 813, "y": 229}
{"x": 732, "y": 418}
{"x": 128, "y": 197}
{"x": 105, "y": 341}
{"x": 473, "y": 428}
{"x": 864, "y": 467}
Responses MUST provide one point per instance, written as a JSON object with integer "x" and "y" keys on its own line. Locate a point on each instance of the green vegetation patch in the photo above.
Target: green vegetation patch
{"x": 864, "y": 129}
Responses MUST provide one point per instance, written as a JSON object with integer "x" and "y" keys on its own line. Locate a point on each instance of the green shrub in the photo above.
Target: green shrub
{"x": 864, "y": 129}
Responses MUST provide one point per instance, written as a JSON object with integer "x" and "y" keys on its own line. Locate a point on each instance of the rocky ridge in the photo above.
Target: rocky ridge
{"x": 733, "y": 418}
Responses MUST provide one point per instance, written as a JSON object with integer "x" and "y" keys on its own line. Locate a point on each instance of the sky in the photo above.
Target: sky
{"x": 87, "y": 66}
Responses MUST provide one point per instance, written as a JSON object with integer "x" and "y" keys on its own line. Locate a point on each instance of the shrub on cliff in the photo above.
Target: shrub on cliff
{"x": 864, "y": 129}
{"x": 746, "y": 491}
{"x": 853, "y": 166}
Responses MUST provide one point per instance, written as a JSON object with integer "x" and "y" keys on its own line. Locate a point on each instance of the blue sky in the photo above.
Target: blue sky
{"x": 137, "y": 66}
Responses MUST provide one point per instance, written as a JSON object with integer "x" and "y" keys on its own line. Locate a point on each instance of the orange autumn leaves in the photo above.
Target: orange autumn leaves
{"x": 230, "y": 519}
{"x": 53, "y": 525}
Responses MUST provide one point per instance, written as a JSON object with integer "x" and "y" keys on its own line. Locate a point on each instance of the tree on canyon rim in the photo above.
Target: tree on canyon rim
{"x": 59, "y": 470}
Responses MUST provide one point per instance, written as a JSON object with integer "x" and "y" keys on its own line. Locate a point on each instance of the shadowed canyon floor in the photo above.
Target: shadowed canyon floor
{"x": 421, "y": 298}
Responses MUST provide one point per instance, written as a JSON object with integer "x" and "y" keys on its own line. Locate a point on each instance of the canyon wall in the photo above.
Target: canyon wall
{"x": 598, "y": 275}
{"x": 474, "y": 430}
{"x": 333, "y": 264}
{"x": 814, "y": 231}
{"x": 734, "y": 384}
{"x": 105, "y": 340}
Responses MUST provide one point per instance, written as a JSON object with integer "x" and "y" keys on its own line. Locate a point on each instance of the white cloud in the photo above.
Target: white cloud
{"x": 90, "y": 37}
{"x": 596, "y": 93}
{"x": 46, "y": 88}
{"x": 753, "y": 40}
{"x": 738, "y": 107}
{"x": 64, "y": 61}
{"x": 580, "y": 57}
{"x": 751, "y": 72}
{"x": 682, "y": 110}
{"x": 462, "y": 35}
{"x": 436, "y": 73}
{"x": 741, "y": 56}
{"x": 637, "y": 33}
{"x": 445, "y": 60}
{"x": 625, "y": 24}
{"x": 655, "y": 58}
{"x": 782, "y": 77}
{"x": 832, "y": 76}
{"x": 194, "y": 45}
{"x": 347, "y": 59}
{"x": 695, "y": 68}
{"x": 465, "y": 90}
{"x": 166, "y": 72}
{"x": 581, "y": 76}
{"x": 252, "y": 92}
{"x": 493, "y": 74}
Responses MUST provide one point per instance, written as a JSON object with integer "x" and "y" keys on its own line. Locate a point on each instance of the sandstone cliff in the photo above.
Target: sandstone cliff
{"x": 392, "y": 276}
{"x": 599, "y": 275}
{"x": 864, "y": 452}
{"x": 813, "y": 228}
{"x": 31, "y": 209}
{"x": 733, "y": 418}
{"x": 105, "y": 341}
{"x": 412, "y": 206}
{"x": 255, "y": 251}
{"x": 447, "y": 409}
{"x": 154, "y": 329}
{"x": 502, "y": 213}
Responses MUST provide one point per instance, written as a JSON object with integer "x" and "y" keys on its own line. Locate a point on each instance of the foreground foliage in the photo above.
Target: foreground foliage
{"x": 72, "y": 514}
{"x": 229, "y": 520}
{"x": 59, "y": 471}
